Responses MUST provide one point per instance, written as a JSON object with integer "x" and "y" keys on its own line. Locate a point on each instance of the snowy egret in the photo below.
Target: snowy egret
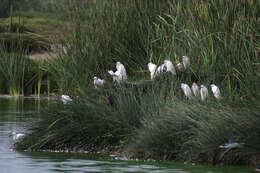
{"x": 169, "y": 67}
{"x": 216, "y": 91}
{"x": 98, "y": 82}
{"x": 121, "y": 68}
{"x": 186, "y": 89}
{"x": 161, "y": 68}
{"x": 230, "y": 145}
{"x": 17, "y": 136}
{"x": 116, "y": 75}
{"x": 179, "y": 66}
{"x": 195, "y": 89}
{"x": 203, "y": 92}
{"x": 152, "y": 68}
{"x": 186, "y": 62}
{"x": 65, "y": 99}
{"x": 257, "y": 169}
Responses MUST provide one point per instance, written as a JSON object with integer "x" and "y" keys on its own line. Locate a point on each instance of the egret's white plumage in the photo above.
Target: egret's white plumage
{"x": 230, "y": 145}
{"x": 186, "y": 89}
{"x": 179, "y": 66}
{"x": 152, "y": 68}
{"x": 120, "y": 74}
{"x": 116, "y": 75}
{"x": 65, "y": 99}
{"x": 185, "y": 62}
{"x": 169, "y": 67}
{"x": 121, "y": 68}
{"x": 98, "y": 82}
{"x": 160, "y": 69}
{"x": 17, "y": 136}
{"x": 203, "y": 93}
{"x": 195, "y": 89}
{"x": 215, "y": 90}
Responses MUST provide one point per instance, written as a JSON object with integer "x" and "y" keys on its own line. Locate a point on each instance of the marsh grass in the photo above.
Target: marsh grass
{"x": 152, "y": 119}
{"x": 13, "y": 68}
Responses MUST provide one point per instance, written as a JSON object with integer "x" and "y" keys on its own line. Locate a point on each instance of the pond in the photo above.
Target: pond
{"x": 16, "y": 113}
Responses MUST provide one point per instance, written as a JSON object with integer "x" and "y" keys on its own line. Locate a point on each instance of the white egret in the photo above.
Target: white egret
{"x": 203, "y": 92}
{"x": 257, "y": 169}
{"x": 65, "y": 99}
{"x": 16, "y": 136}
{"x": 152, "y": 68}
{"x": 215, "y": 90}
{"x": 230, "y": 145}
{"x": 195, "y": 89}
{"x": 169, "y": 67}
{"x": 160, "y": 69}
{"x": 116, "y": 75}
{"x": 98, "y": 82}
{"x": 179, "y": 66}
{"x": 121, "y": 68}
{"x": 186, "y": 62}
{"x": 186, "y": 89}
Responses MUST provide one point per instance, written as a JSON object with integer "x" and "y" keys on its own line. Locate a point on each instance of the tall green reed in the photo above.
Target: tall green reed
{"x": 12, "y": 68}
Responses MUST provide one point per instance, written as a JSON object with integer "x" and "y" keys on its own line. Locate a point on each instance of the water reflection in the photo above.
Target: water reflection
{"x": 16, "y": 112}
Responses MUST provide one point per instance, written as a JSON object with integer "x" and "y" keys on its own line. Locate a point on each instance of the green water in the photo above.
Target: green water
{"x": 17, "y": 113}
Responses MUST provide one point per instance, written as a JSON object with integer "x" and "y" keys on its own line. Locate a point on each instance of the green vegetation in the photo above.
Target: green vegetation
{"x": 152, "y": 119}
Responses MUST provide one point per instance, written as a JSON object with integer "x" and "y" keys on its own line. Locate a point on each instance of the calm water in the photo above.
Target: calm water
{"x": 16, "y": 113}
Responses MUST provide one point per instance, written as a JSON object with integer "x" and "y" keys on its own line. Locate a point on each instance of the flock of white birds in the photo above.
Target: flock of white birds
{"x": 120, "y": 76}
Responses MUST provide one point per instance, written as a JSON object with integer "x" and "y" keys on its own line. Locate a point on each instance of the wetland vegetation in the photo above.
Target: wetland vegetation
{"x": 141, "y": 118}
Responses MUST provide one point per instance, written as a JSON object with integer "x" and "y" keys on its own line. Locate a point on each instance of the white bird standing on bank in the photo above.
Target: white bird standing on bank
{"x": 203, "y": 92}
{"x": 185, "y": 62}
{"x": 152, "y": 68}
{"x": 215, "y": 90}
{"x": 121, "y": 68}
{"x": 169, "y": 67}
{"x": 16, "y": 136}
{"x": 98, "y": 82}
{"x": 195, "y": 89}
{"x": 65, "y": 99}
{"x": 186, "y": 89}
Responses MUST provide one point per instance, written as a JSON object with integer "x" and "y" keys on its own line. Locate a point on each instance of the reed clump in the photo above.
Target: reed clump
{"x": 152, "y": 119}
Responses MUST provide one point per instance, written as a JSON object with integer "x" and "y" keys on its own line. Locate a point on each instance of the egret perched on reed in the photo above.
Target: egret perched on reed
{"x": 152, "y": 68}
{"x": 161, "y": 68}
{"x": 215, "y": 90}
{"x": 186, "y": 89}
{"x": 169, "y": 67}
{"x": 203, "y": 92}
{"x": 116, "y": 75}
{"x": 195, "y": 89}
{"x": 121, "y": 68}
{"x": 65, "y": 99}
{"x": 185, "y": 62}
{"x": 120, "y": 74}
{"x": 98, "y": 82}
{"x": 16, "y": 136}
